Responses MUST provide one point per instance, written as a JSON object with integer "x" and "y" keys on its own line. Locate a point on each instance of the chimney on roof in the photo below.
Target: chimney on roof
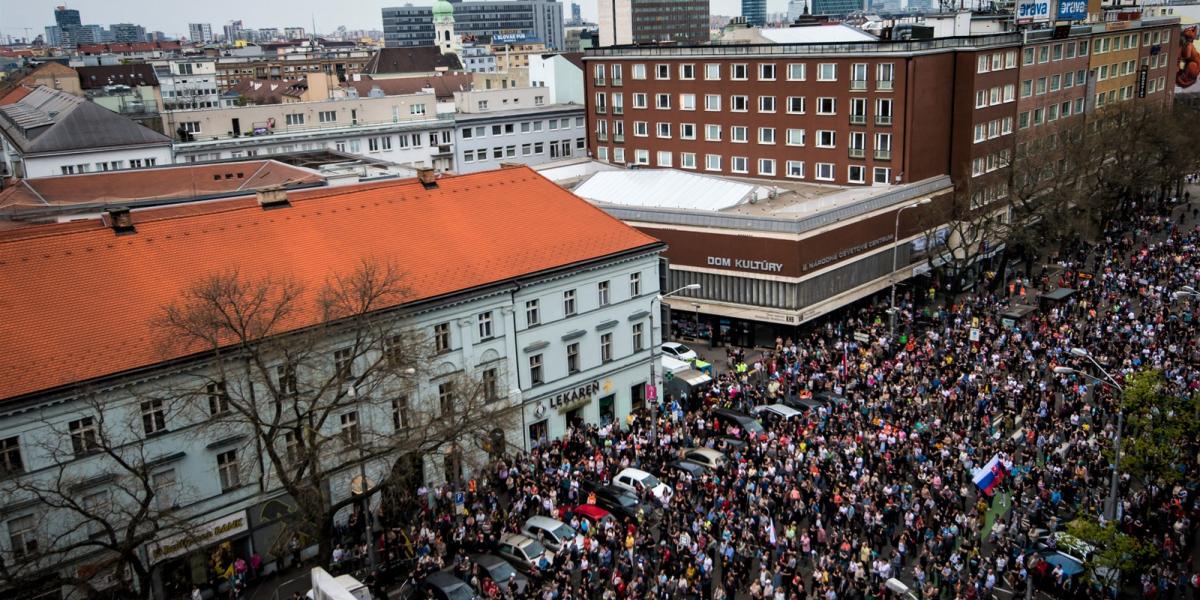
{"x": 119, "y": 219}
{"x": 272, "y": 197}
{"x": 427, "y": 178}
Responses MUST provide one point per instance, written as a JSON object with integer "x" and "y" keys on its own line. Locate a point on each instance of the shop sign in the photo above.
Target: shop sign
{"x": 765, "y": 266}
{"x": 208, "y": 533}
{"x": 1072, "y": 10}
{"x": 572, "y": 397}
{"x": 1032, "y": 11}
{"x": 848, "y": 252}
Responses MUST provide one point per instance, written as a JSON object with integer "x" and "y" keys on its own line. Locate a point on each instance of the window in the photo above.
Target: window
{"x": 569, "y": 303}
{"x": 712, "y": 162}
{"x": 663, "y": 130}
{"x": 687, "y": 160}
{"x": 738, "y": 72}
{"x": 154, "y": 417}
{"x": 997, "y": 61}
{"x": 795, "y": 105}
{"x": 532, "y": 315}
{"x": 491, "y": 384}
{"x": 994, "y": 96}
{"x": 165, "y": 487}
{"x": 885, "y": 73}
{"x": 638, "y": 343}
{"x": 285, "y": 379}
{"x": 602, "y": 294}
{"x": 687, "y": 131}
{"x": 827, "y": 72}
{"x": 739, "y": 164}
{"x": 766, "y": 72}
{"x": 687, "y": 102}
{"x": 641, "y": 129}
{"x": 766, "y": 166}
{"x": 639, "y": 71}
{"x": 485, "y": 325}
{"x": 795, "y": 72}
{"x": 598, "y": 75}
{"x": 712, "y": 102}
{"x": 294, "y": 118}
{"x": 712, "y": 133}
{"x": 687, "y": 71}
{"x": 662, "y": 101}
{"x": 98, "y": 505}
{"x": 858, "y": 76}
{"x": 795, "y": 137}
{"x": 980, "y": 133}
{"x": 739, "y": 103}
{"x": 639, "y": 101}
{"x": 1043, "y": 54}
{"x": 616, "y": 74}
{"x": 400, "y": 413}
{"x": 883, "y": 146}
{"x": 10, "y": 456}
{"x": 327, "y": 116}
{"x": 981, "y": 98}
{"x": 1010, "y": 92}
{"x": 825, "y": 171}
{"x": 377, "y": 144}
{"x": 981, "y": 63}
{"x": 663, "y": 158}
{"x": 1027, "y": 56}
{"x": 766, "y": 104}
{"x": 858, "y": 110}
{"x": 218, "y": 398}
{"x": 1040, "y": 88}
{"x": 635, "y": 285}
{"x": 662, "y": 71}
{"x": 22, "y": 536}
{"x": 446, "y": 398}
{"x": 882, "y": 175}
{"x": 535, "y": 369}
{"x": 1027, "y": 88}
{"x": 441, "y": 337}
{"x": 826, "y": 106}
{"x": 1010, "y": 59}
{"x": 350, "y": 432}
{"x": 856, "y": 174}
{"x": 712, "y": 72}
{"x": 826, "y": 138}
{"x": 766, "y": 135}
{"x": 738, "y": 134}
{"x": 1055, "y": 82}
{"x": 1057, "y": 52}
{"x": 606, "y": 349}
{"x": 572, "y": 358}
{"x": 228, "y": 470}
{"x": 795, "y": 169}
{"x": 640, "y": 157}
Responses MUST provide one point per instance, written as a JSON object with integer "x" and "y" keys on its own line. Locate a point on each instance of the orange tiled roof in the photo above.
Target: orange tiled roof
{"x": 15, "y": 95}
{"x": 80, "y": 301}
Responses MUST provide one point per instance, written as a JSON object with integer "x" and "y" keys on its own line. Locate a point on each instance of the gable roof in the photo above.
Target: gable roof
{"x": 80, "y": 302}
{"x": 411, "y": 59}
{"x": 266, "y": 91}
{"x": 443, "y": 85}
{"x": 50, "y": 68}
{"x": 47, "y": 121}
{"x": 133, "y": 75}
{"x": 12, "y": 95}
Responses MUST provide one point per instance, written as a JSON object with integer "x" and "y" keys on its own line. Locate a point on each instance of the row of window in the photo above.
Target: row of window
{"x": 991, "y": 162}
{"x": 1054, "y": 52}
{"x": 481, "y": 131}
{"x": 995, "y": 95}
{"x": 559, "y": 149}
{"x": 1053, "y": 83}
{"x": 385, "y": 143}
{"x": 993, "y": 129}
{"x": 794, "y": 105}
{"x": 1049, "y": 114}
{"x": 766, "y": 167}
{"x": 537, "y": 370}
{"x": 988, "y": 195}
{"x": 884, "y": 72}
{"x": 108, "y": 165}
{"x": 996, "y": 61}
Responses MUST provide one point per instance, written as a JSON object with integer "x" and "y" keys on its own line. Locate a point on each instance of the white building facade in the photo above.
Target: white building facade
{"x": 522, "y": 136}
{"x": 188, "y": 84}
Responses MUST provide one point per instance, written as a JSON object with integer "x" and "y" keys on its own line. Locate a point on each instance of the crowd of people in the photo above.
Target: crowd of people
{"x": 834, "y": 502}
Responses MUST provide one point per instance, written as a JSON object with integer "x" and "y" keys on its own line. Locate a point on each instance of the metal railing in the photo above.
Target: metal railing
{"x": 858, "y": 85}
{"x": 858, "y": 119}
{"x": 872, "y": 47}
{"x": 883, "y": 155}
{"x": 618, "y": 82}
{"x": 618, "y": 110}
{"x": 598, "y": 82}
{"x": 618, "y": 137}
{"x": 601, "y": 109}
{"x": 857, "y": 152}
{"x": 884, "y": 85}
{"x": 883, "y": 119}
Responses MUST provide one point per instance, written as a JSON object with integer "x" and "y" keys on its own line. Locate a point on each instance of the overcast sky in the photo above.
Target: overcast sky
{"x": 172, "y": 16}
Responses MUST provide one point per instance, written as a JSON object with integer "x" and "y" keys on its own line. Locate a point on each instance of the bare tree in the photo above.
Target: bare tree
{"x": 305, "y": 371}
{"x": 100, "y": 501}
{"x": 960, "y": 229}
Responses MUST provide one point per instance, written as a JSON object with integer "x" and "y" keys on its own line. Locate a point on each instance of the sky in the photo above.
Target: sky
{"x": 172, "y": 16}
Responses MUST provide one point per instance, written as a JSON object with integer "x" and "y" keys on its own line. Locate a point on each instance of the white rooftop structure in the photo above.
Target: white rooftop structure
{"x": 666, "y": 188}
{"x": 816, "y": 34}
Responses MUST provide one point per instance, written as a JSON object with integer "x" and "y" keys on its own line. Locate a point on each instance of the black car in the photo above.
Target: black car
{"x": 445, "y": 586}
{"x": 723, "y": 419}
{"x": 801, "y": 404}
{"x": 615, "y": 500}
{"x": 831, "y": 399}
{"x": 500, "y": 571}
{"x": 686, "y": 466}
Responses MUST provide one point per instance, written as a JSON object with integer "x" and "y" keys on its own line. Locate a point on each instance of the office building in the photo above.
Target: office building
{"x": 232, "y": 31}
{"x": 200, "y": 32}
{"x": 520, "y": 286}
{"x": 528, "y": 136}
{"x": 836, "y": 8}
{"x": 576, "y": 14}
{"x": 649, "y": 21}
{"x": 66, "y": 17}
{"x": 293, "y": 33}
{"x": 755, "y": 12}
{"x": 127, "y": 33}
{"x": 511, "y": 20}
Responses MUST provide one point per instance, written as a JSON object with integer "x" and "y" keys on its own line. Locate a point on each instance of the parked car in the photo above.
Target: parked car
{"x": 801, "y": 403}
{"x": 687, "y": 467}
{"x": 776, "y": 411}
{"x": 500, "y": 571}
{"x": 831, "y": 399}
{"x": 615, "y": 500}
{"x": 635, "y": 480}
{"x": 705, "y": 457}
{"x": 522, "y": 551}
{"x": 444, "y": 586}
{"x": 552, "y": 533}
{"x": 679, "y": 351}
{"x": 723, "y": 419}
{"x": 594, "y": 515}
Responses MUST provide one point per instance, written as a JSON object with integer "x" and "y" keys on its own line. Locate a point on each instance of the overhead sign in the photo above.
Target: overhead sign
{"x": 1143, "y": 75}
{"x": 1032, "y": 11}
{"x": 208, "y": 533}
{"x": 745, "y": 263}
{"x": 1071, "y": 10}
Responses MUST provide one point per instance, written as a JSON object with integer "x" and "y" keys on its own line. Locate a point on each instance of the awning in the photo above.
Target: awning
{"x": 693, "y": 377}
{"x": 1059, "y": 294}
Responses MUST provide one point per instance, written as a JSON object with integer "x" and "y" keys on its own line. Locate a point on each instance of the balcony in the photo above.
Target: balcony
{"x": 857, "y": 85}
{"x": 619, "y": 138}
{"x": 858, "y": 119}
{"x": 617, "y": 82}
{"x": 601, "y": 109}
{"x": 857, "y": 153}
{"x": 883, "y": 119}
{"x": 883, "y": 85}
{"x": 883, "y": 155}
{"x": 598, "y": 81}
{"x": 601, "y": 136}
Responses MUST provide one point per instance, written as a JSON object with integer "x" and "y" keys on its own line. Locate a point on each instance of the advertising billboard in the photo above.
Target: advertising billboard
{"x": 1189, "y": 62}
{"x": 1032, "y": 11}
{"x": 1071, "y": 10}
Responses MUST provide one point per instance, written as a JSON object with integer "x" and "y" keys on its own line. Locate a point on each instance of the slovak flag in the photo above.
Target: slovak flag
{"x": 988, "y": 477}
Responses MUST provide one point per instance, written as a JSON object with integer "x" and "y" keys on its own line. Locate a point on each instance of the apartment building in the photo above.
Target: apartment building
{"x": 866, "y": 113}
{"x": 294, "y": 63}
{"x": 528, "y": 136}
{"x": 540, "y": 20}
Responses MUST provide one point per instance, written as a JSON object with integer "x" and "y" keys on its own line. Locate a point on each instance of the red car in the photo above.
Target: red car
{"x": 594, "y": 515}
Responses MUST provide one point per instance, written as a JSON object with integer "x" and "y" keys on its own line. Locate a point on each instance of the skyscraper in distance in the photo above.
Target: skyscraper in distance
{"x": 200, "y": 32}
{"x": 755, "y": 12}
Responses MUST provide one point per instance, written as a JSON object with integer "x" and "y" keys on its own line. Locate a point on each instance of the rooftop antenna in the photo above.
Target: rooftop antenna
{"x": 313, "y": 16}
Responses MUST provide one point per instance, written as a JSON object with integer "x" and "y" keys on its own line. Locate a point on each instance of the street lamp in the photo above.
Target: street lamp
{"x": 363, "y": 482}
{"x": 1110, "y": 509}
{"x": 654, "y": 348}
{"x": 895, "y": 257}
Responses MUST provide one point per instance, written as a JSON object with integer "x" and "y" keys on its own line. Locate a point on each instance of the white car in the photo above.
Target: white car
{"x": 779, "y": 410}
{"x": 679, "y": 351}
{"x": 635, "y": 479}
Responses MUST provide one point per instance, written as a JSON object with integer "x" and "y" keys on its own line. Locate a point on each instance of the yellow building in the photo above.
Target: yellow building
{"x": 1114, "y": 64}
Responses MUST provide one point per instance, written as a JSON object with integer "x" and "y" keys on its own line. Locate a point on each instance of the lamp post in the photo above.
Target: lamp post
{"x": 895, "y": 257}
{"x": 654, "y": 348}
{"x": 1110, "y": 508}
{"x": 363, "y": 482}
